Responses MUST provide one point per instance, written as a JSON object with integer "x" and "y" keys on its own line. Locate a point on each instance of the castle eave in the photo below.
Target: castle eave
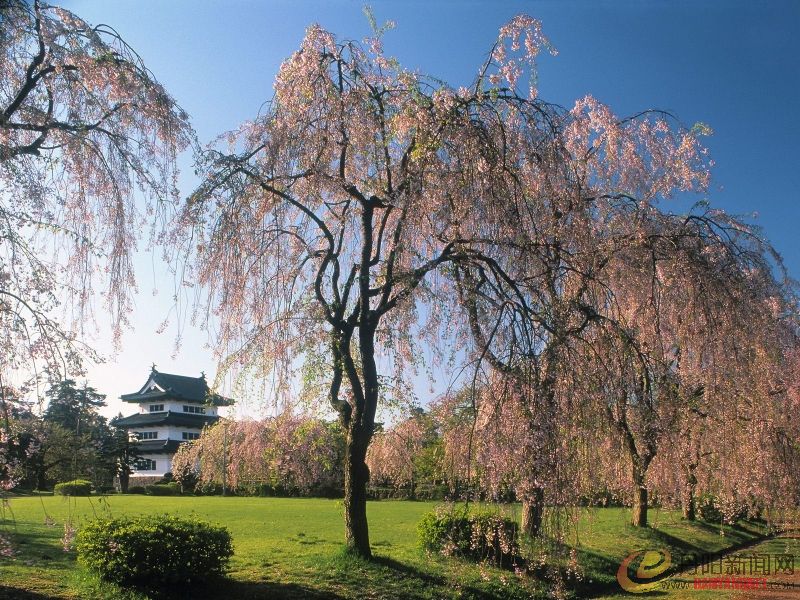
{"x": 158, "y": 446}
{"x": 166, "y": 418}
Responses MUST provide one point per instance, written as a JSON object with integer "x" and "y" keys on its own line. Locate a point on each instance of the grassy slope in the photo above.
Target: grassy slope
{"x": 789, "y": 583}
{"x": 292, "y": 548}
{"x": 605, "y": 538}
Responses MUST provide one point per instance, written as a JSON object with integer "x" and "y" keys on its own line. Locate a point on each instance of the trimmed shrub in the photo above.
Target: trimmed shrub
{"x": 154, "y": 550}
{"x": 208, "y": 489}
{"x": 431, "y": 492}
{"x": 163, "y": 489}
{"x": 136, "y": 489}
{"x": 76, "y": 487}
{"x": 707, "y": 509}
{"x": 479, "y": 536}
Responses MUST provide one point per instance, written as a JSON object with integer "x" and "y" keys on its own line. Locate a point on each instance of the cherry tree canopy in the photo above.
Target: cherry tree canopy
{"x": 84, "y": 129}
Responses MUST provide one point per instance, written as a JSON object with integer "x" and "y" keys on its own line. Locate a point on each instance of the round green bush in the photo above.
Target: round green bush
{"x": 480, "y": 535}
{"x": 136, "y": 489}
{"x": 76, "y": 487}
{"x": 154, "y": 550}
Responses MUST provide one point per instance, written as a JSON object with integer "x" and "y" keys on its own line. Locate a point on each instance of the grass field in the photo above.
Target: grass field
{"x": 292, "y": 548}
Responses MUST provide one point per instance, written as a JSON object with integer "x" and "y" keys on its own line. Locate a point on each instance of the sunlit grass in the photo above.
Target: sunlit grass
{"x": 293, "y": 548}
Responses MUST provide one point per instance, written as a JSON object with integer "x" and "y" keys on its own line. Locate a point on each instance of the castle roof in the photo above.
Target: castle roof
{"x": 166, "y": 386}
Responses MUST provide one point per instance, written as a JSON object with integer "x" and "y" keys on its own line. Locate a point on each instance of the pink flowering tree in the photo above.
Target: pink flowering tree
{"x": 687, "y": 300}
{"x": 366, "y": 195}
{"x": 226, "y": 454}
{"x": 587, "y": 196}
{"x": 289, "y": 453}
{"x": 332, "y": 218}
{"x": 85, "y": 130}
{"x": 406, "y": 452}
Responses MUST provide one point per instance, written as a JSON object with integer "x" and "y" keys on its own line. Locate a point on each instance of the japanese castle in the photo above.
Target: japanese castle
{"x": 173, "y": 409}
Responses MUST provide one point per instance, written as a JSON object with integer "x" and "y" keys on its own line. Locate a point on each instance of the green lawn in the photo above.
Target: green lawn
{"x": 292, "y": 548}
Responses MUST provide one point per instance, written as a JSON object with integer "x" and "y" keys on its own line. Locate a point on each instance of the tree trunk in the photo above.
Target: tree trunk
{"x": 356, "y": 477}
{"x": 41, "y": 478}
{"x": 533, "y": 512}
{"x": 689, "y": 495}
{"x": 358, "y": 420}
{"x": 124, "y": 481}
{"x": 640, "y": 506}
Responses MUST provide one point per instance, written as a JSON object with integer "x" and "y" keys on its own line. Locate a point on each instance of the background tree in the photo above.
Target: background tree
{"x": 15, "y": 439}
{"x": 76, "y": 435}
{"x": 74, "y": 407}
{"x": 288, "y": 454}
{"x": 406, "y": 454}
{"x": 455, "y": 415}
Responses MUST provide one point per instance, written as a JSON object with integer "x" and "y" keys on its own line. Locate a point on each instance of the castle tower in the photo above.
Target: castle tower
{"x": 173, "y": 409}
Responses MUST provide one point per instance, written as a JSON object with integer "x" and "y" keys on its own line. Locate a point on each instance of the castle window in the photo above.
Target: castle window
{"x": 190, "y": 435}
{"x": 199, "y": 410}
{"x": 147, "y": 435}
{"x": 145, "y": 464}
{"x": 156, "y": 408}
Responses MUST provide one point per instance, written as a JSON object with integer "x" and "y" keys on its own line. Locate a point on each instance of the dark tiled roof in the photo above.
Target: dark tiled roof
{"x": 165, "y": 418}
{"x": 178, "y": 387}
{"x": 157, "y": 446}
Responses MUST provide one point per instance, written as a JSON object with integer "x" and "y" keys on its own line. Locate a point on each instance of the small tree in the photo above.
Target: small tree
{"x": 76, "y": 441}
{"x": 21, "y": 430}
{"x": 119, "y": 451}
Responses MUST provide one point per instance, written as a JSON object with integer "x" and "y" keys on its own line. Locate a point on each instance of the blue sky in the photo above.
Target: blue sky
{"x": 732, "y": 64}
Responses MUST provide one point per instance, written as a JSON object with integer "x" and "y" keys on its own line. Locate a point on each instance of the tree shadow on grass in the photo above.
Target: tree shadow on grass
{"x": 244, "y": 590}
{"x": 736, "y": 531}
{"x": 406, "y": 582}
{"x": 258, "y": 590}
{"x": 684, "y": 556}
{"x": 414, "y": 583}
{"x": 691, "y": 553}
{"x": 42, "y": 547}
{"x": 12, "y": 593}
{"x": 408, "y": 571}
